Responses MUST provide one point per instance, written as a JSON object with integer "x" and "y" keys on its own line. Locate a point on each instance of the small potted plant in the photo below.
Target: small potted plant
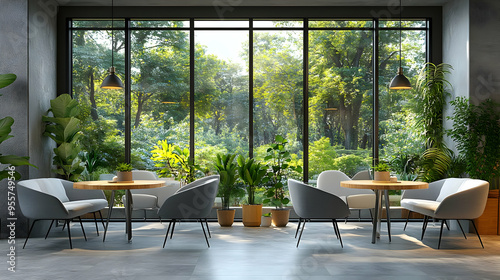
{"x": 124, "y": 172}
{"x": 227, "y": 169}
{"x": 266, "y": 220}
{"x": 382, "y": 172}
{"x": 252, "y": 174}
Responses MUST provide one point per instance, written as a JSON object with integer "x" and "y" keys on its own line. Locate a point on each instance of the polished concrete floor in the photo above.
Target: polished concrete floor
{"x": 255, "y": 253}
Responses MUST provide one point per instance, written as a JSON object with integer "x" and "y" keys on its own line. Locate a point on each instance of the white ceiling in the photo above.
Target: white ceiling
{"x": 252, "y": 2}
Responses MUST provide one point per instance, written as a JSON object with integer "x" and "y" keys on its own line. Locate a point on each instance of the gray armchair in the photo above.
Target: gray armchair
{"x": 194, "y": 203}
{"x": 55, "y": 199}
{"x": 313, "y": 203}
{"x": 448, "y": 199}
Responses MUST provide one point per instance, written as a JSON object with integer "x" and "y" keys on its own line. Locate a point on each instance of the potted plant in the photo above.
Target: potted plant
{"x": 227, "y": 169}
{"x": 124, "y": 172}
{"x": 382, "y": 172}
{"x": 266, "y": 220}
{"x": 279, "y": 159}
{"x": 252, "y": 174}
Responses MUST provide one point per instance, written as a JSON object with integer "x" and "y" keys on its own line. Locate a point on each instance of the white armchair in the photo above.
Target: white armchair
{"x": 151, "y": 199}
{"x": 356, "y": 199}
{"x": 448, "y": 199}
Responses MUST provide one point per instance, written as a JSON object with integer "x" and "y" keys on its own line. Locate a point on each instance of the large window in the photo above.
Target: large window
{"x": 207, "y": 86}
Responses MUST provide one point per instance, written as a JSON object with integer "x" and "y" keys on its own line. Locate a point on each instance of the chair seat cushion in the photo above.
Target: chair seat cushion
{"x": 361, "y": 201}
{"x": 143, "y": 201}
{"x": 98, "y": 203}
{"x": 78, "y": 208}
{"x": 422, "y": 206}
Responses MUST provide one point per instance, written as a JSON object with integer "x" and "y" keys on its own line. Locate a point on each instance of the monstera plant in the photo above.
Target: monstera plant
{"x": 64, "y": 127}
{"x": 5, "y": 129}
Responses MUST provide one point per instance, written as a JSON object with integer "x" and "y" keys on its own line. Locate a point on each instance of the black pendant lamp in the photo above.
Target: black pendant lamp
{"x": 400, "y": 81}
{"x": 112, "y": 81}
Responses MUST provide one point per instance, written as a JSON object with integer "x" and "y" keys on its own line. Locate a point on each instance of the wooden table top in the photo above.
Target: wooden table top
{"x": 107, "y": 185}
{"x": 375, "y": 185}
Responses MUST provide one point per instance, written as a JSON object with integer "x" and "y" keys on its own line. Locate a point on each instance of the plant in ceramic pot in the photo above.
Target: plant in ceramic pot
{"x": 252, "y": 174}
{"x": 266, "y": 220}
{"x": 227, "y": 169}
{"x": 124, "y": 172}
{"x": 382, "y": 172}
{"x": 280, "y": 167}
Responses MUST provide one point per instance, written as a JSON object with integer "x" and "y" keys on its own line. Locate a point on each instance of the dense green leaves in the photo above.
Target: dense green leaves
{"x": 227, "y": 168}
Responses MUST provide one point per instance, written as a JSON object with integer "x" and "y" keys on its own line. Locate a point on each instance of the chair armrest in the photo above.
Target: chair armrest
{"x": 38, "y": 205}
{"x": 79, "y": 194}
{"x": 431, "y": 193}
{"x": 467, "y": 205}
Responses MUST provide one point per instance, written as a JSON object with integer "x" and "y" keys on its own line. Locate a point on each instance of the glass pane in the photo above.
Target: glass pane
{"x": 221, "y": 23}
{"x": 341, "y": 23}
{"x": 278, "y": 23}
{"x": 90, "y": 23}
{"x": 102, "y": 110}
{"x": 160, "y": 94}
{"x": 404, "y": 23}
{"x": 340, "y": 101}
{"x": 278, "y": 92}
{"x": 160, "y": 23}
{"x": 221, "y": 94}
{"x": 400, "y": 134}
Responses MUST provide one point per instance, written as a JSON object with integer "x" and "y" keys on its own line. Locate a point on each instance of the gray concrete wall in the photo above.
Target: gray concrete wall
{"x": 42, "y": 82}
{"x": 27, "y": 49}
{"x": 456, "y": 53}
{"x": 484, "y": 50}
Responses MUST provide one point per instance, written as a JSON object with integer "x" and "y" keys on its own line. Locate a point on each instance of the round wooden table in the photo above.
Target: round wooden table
{"x": 381, "y": 188}
{"x": 108, "y": 185}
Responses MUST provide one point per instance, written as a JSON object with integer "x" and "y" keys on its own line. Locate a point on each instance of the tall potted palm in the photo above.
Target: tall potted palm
{"x": 252, "y": 174}
{"x": 227, "y": 169}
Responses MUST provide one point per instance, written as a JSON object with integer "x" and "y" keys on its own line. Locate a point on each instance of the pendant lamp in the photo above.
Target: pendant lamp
{"x": 112, "y": 81}
{"x": 400, "y": 81}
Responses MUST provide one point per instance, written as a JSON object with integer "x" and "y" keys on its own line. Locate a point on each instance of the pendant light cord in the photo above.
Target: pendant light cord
{"x": 112, "y": 34}
{"x": 400, "y": 28}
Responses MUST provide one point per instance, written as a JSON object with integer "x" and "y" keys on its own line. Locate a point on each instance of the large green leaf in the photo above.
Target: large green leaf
{"x": 7, "y": 79}
{"x": 64, "y": 106}
{"x": 5, "y": 128}
{"x": 15, "y": 160}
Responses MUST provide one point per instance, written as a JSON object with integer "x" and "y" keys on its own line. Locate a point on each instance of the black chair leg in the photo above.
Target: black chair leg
{"x": 83, "y": 230}
{"x": 102, "y": 220}
{"x": 301, "y": 231}
{"x": 441, "y": 233}
{"x": 335, "y": 228}
{"x": 338, "y": 230}
{"x": 424, "y": 226}
{"x": 371, "y": 215}
{"x": 173, "y": 227}
{"x": 69, "y": 235}
{"x": 407, "y": 218}
{"x": 208, "y": 229}
{"x": 461, "y": 229}
{"x": 166, "y": 234}
{"x": 51, "y": 223}
{"x": 298, "y": 227}
{"x": 477, "y": 232}
{"x": 29, "y": 232}
{"x": 447, "y": 226}
{"x": 204, "y": 233}
{"x": 95, "y": 222}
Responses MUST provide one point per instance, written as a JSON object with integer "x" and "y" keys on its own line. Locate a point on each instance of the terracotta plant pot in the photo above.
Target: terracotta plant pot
{"x": 265, "y": 221}
{"x": 280, "y": 217}
{"x": 225, "y": 217}
{"x": 124, "y": 176}
{"x": 251, "y": 215}
{"x": 382, "y": 176}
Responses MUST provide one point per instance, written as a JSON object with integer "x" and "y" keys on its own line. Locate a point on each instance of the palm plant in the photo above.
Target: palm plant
{"x": 227, "y": 169}
{"x": 252, "y": 173}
